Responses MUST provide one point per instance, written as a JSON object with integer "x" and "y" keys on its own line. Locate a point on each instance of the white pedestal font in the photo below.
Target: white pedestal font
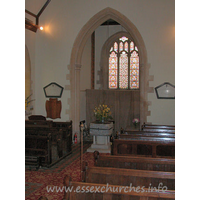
{"x": 101, "y": 137}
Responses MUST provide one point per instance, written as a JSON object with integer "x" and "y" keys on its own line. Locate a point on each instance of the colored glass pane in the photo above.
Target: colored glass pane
{"x": 123, "y": 39}
{"x": 123, "y": 71}
{"x": 116, "y": 47}
{"x": 131, "y": 46}
{"x": 120, "y": 46}
{"x": 125, "y": 74}
{"x": 113, "y": 71}
{"x": 134, "y": 70}
{"x": 126, "y": 46}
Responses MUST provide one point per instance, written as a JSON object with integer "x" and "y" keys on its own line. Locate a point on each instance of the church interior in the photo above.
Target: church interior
{"x": 100, "y": 99}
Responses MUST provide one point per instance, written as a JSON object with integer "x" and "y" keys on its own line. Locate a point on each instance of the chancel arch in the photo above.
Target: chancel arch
{"x": 76, "y": 55}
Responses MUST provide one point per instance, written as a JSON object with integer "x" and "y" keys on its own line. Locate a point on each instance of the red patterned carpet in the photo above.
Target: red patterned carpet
{"x": 37, "y": 182}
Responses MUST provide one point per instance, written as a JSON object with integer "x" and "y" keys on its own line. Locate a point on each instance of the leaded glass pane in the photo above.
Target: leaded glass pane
{"x": 123, "y": 71}
{"x": 134, "y": 70}
{"x": 120, "y": 46}
{"x": 131, "y": 46}
{"x": 125, "y": 74}
{"x": 123, "y": 39}
{"x": 116, "y": 47}
{"x": 126, "y": 46}
{"x": 113, "y": 71}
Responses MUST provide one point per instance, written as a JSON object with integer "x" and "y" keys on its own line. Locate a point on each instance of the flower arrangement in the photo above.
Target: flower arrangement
{"x": 136, "y": 121}
{"x": 102, "y": 113}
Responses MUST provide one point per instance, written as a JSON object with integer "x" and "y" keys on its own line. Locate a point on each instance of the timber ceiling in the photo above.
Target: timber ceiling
{"x": 33, "y": 10}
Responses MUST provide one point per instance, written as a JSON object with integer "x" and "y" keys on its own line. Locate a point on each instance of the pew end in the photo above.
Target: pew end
{"x": 96, "y": 156}
{"x": 66, "y": 182}
{"x": 83, "y": 171}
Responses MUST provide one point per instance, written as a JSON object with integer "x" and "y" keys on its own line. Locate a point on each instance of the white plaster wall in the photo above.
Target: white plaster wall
{"x": 62, "y": 21}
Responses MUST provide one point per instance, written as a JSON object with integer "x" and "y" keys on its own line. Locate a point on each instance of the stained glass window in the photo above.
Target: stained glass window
{"x": 134, "y": 70}
{"x": 116, "y": 47}
{"x": 123, "y": 39}
{"x": 113, "y": 70}
{"x": 124, "y": 65}
{"x": 126, "y": 46}
{"x": 131, "y": 46}
{"x": 123, "y": 71}
{"x": 120, "y": 46}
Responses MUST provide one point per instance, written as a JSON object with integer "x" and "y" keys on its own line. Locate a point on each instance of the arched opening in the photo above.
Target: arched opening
{"x": 105, "y": 56}
{"x": 76, "y": 55}
{"x": 27, "y": 81}
{"x": 27, "y": 73}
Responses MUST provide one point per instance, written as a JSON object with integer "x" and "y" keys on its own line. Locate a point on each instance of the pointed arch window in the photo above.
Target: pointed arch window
{"x": 123, "y": 65}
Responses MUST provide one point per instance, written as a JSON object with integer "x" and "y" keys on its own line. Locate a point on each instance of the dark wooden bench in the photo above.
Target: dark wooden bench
{"x": 172, "y": 127}
{"x": 132, "y": 134}
{"x": 90, "y": 191}
{"x": 48, "y": 140}
{"x": 127, "y": 177}
{"x": 38, "y": 145}
{"x": 132, "y": 162}
{"x": 158, "y": 128}
{"x": 33, "y": 161}
{"x": 37, "y": 117}
{"x": 146, "y": 146}
{"x": 38, "y": 123}
{"x": 66, "y": 128}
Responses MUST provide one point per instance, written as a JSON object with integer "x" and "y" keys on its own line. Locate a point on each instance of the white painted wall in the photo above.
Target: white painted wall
{"x": 62, "y": 21}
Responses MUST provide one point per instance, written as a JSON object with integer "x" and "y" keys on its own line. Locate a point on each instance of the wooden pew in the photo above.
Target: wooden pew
{"x": 132, "y": 134}
{"x": 90, "y": 191}
{"x": 66, "y": 128}
{"x": 125, "y": 177}
{"x": 158, "y": 128}
{"x": 132, "y": 162}
{"x": 38, "y": 148}
{"x": 38, "y": 123}
{"x": 146, "y": 146}
{"x": 47, "y": 141}
{"x": 172, "y": 127}
{"x": 37, "y": 117}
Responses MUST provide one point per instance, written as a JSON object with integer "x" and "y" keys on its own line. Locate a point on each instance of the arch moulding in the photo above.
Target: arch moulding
{"x": 76, "y": 55}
